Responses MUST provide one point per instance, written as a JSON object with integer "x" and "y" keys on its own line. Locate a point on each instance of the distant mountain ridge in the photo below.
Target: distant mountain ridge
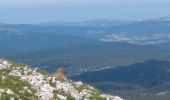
{"x": 151, "y": 77}
{"x": 140, "y": 74}
{"x": 104, "y": 23}
{"x": 106, "y": 43}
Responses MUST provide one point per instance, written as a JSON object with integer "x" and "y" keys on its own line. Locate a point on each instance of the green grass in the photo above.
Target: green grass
{"x": 17, "y": 65}
{"x": 95, "y": 92}
{"x": 97, "y": 98}
{"x": 5, "y": 96}
{"x": 16, "y": 85}
{"x": 81, "y": 87}
{"x": 69, "y": 97}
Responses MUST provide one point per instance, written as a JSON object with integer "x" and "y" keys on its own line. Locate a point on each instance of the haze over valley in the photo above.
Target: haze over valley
{"x": 119, "y": 47}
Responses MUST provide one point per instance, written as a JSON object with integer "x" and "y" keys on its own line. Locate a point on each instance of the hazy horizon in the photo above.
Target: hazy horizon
{"x": 29, "y": 11}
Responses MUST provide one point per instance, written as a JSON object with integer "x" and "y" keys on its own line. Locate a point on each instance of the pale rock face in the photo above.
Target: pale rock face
{"x": 61, "y": 97}
{"x": 2, "y": 90}
{"x": 117, "y": 98}
{"x": 8, "y": 91}
{"x": 68, "y": 88}
{"x": 44, "y": 89}
{"x": 4, "y": 64}
{"x": 38, "y": 81}
{"x": 110, "y": 97}
{"x": 78, "y": 83}
{"x": 12, "y": 98}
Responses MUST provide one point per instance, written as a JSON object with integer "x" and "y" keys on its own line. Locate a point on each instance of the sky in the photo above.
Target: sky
{"x": 36, "y": 11}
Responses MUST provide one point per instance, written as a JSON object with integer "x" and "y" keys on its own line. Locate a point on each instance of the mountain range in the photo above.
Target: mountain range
{"x": 97, "y": 47}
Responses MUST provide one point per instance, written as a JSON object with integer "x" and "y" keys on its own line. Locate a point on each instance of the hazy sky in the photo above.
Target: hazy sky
{"x": 34, "y": 11}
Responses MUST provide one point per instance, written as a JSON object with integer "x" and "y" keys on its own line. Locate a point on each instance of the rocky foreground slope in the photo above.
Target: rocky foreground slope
{"x": 19, "y": 82}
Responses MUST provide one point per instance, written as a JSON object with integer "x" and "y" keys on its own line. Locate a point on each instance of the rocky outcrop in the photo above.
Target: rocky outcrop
{"x": 4, "y": 64}
{"x": 45, "y": 86}
{"x": 60, "y": 74}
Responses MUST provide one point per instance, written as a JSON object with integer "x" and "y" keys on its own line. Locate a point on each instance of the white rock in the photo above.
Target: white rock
{"x": 43, "y": 89}
{"x": 61, "y": 97}
{"x": 9, "y": 91}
